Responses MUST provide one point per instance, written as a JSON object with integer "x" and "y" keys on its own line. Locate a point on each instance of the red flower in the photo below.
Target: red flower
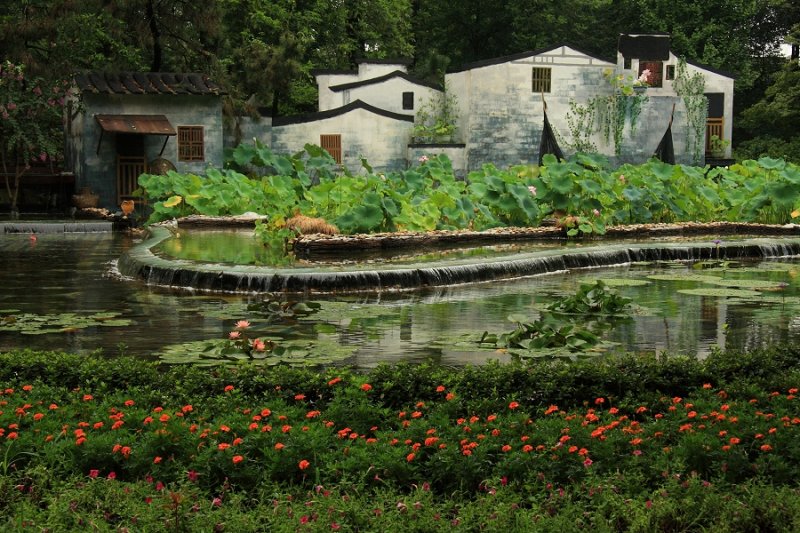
{"x": 766, "y": 448}
{"x": 440, "y": 388}
{"x": 366, "y": 387}
{"x": 228, "y": 388}
{"x": 514, "y": 405}
{"x": 303, "y": 464}
{"x": 334, "y": 381}
{"x": 237, "y": 459}
{"x": 157, "y": 460}
{"x": 94, "y": 473}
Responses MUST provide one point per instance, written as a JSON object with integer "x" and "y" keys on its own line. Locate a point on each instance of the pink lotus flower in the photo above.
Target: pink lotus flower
{"x": 234, "y": 335}
{"x": 532, "y": 190}
{"x": 242, "y": 324}
{"x": 258, "y": 345}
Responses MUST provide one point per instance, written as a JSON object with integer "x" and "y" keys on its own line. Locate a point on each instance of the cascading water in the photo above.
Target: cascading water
{"x": 142, "y": 263}
{"x": 93, "y": 226}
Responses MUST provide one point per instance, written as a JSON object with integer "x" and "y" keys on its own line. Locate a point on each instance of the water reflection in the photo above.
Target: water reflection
{"x": 63, "y": 273}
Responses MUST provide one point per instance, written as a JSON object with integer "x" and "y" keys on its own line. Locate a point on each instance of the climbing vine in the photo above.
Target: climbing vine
{"x": 580, "y": 120}
{"x": 607, "y": 114}
{"x": 690, "y": 87}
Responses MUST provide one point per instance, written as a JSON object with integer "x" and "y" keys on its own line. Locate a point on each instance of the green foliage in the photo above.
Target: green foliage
{"x": 573, "y": 323}
{"x": 582, "y": 193}
{"x": 30, "y": 124}
{"x": 690, "y": 87}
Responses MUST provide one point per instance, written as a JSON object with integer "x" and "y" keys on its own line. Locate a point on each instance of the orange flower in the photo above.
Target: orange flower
{"x": 28, "y": 388}
{"x": 157, "y": 460}
{"x": 549, "y": 410}
{"x": 513, "y": 405}
{"x": 279, "y": 446}
{"x": 410, "y": 457}
{"x": 706, "y": 385}
{"x": 237, "y": 459}
{"x": 449, "y": 396}
{"x": 527, "y": 448}
{"x": 440, "y": 388}
{"x": 366, "y": 387}
{"x": 334, "y": 381}
{"x": 303, "y": 464}
{"x": 506, "y": 448}
{"x": 228, "y": 388}
{"x": 766, "y": 448}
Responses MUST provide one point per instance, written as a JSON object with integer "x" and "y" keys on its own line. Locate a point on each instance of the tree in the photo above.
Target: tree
{"x": 30, "y": 125}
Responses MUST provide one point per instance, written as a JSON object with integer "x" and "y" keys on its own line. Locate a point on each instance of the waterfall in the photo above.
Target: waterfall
{"x": 93, "y": 226}
{"x": 141, "y": 263}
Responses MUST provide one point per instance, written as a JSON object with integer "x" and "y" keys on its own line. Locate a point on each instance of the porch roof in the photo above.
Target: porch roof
{"x": 138, "y": 124}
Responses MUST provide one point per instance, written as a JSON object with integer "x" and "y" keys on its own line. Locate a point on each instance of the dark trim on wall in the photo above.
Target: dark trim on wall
{"x": 381, "y": 79}
{"x": 331, "y": 113}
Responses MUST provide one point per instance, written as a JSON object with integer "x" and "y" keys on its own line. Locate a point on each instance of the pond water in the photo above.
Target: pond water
{"x": 60, "y": 292}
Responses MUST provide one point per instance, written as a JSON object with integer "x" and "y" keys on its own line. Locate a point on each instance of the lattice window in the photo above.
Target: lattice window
{"x": 333, "y": 144}
{"x": 541, "y": 80}
{"x": 190, "y": 143}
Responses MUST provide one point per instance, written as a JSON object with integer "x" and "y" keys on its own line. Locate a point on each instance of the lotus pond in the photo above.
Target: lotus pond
{"x": 60, "y": 291}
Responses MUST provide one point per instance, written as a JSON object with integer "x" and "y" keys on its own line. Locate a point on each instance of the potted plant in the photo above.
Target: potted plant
{"x": 717, "y": 146}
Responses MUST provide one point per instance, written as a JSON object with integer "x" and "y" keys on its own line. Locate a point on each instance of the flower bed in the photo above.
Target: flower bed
{"x": 413, "y": 442}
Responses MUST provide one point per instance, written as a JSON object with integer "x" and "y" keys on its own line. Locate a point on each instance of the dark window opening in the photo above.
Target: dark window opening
{"x": 670, "y": 72}
{"x": 655, "y": 74}
{"x": 408, "y": 100}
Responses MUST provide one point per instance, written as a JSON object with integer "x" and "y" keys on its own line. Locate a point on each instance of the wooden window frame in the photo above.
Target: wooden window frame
{"x": 191, "y": 143}
{"x": 332, "y": 143}
{"x": 541, "y": 79}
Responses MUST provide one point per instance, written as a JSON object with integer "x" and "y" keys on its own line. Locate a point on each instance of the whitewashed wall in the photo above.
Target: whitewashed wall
{"x": 382, "y": 140}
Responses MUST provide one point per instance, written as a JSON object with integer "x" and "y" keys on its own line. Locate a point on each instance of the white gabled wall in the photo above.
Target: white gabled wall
{"x": 381, "y": 140}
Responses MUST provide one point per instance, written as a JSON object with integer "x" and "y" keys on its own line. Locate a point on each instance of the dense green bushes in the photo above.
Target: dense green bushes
{"x": 583, "y": 192}
{"x": 636, "y": 442}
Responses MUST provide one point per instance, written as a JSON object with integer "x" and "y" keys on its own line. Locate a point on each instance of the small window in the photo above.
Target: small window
{"x": 333, "y": 145}
{"x": 655, "y": 72}
{"x": 626, "y": 63}
{"x": 541, "y": 80}
{"x": 408, "y": 100}
{"x": 670, "y": 72}
{"x": 190, "y": 143}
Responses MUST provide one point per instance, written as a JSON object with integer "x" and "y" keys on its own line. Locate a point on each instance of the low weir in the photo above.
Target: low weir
{"x": 48, "y": 227}
{"x": 142, "y": 263}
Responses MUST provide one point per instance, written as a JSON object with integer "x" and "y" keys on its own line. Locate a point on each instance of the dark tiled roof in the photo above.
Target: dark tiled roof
{"x": 147, "y": 83}
{"x": 320, "y": 115}
{"x": 379, "y": 79}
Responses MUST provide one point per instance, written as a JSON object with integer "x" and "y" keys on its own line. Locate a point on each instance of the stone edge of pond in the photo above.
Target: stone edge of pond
{"x": 141, "y": 263}
{"x": 309, "y": 246}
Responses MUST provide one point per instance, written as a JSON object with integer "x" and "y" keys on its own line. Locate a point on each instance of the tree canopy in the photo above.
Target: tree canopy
{"x": 263, "y": 51}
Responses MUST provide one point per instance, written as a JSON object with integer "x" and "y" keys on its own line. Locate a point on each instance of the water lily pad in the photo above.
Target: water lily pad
{"x": 721, "y": 293}
{"x": 300, "y": 352}
{"x": 619, "y": 282}
{"x": 748, "y": 283}
{"x": 33, "y": 324}
{"x": 684, "y": 277}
